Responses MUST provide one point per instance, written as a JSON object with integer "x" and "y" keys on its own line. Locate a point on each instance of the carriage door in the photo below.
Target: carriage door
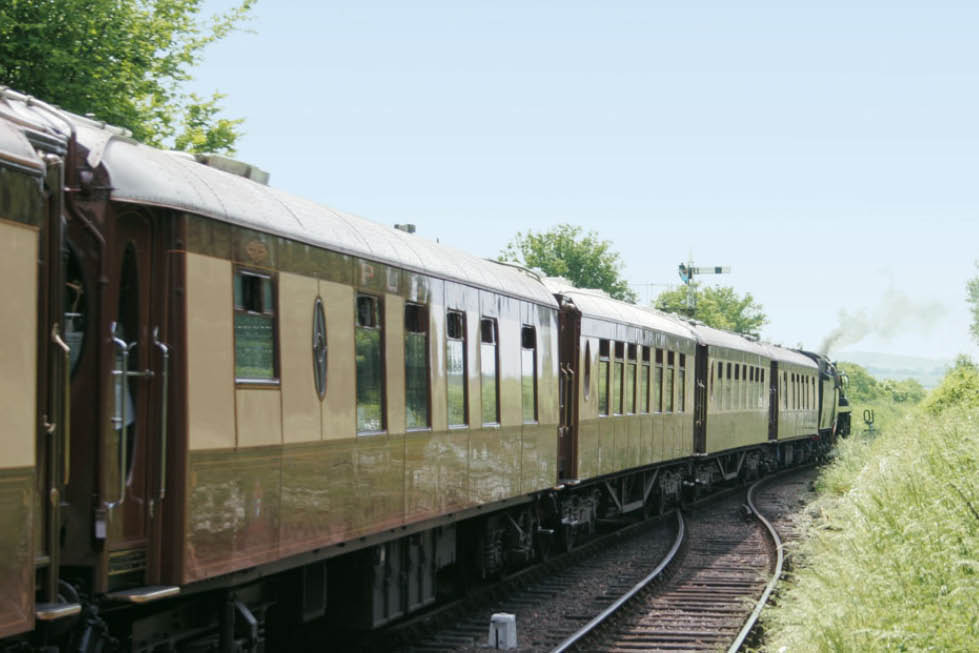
{"x": 134, "y": 373}
{"x": 569, "y": 321}
{"x": 773, "y": 402}
{"x": 700, "y": 401}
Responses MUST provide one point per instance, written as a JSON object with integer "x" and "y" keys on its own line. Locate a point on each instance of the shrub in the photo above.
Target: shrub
{"x": 959, "y": 388}
{"x": 891, "y": 558}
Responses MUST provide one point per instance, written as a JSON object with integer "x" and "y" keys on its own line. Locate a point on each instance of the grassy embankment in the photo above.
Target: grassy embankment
{"x": 891, "y": 561}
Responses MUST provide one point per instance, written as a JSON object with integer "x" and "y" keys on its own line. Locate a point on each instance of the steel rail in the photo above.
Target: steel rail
{"x": 588, "y": 628}
{"x": 752, "y": 620}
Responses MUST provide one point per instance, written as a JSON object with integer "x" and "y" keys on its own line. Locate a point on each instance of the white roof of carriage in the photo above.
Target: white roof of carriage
{"x": 597, "y": 304}
{"x": 719, "y": 338}
{"x": 14, "y": 147}
{"x": 786, "y": 355}
{"x": 145, "y": 175}
{"x": 712, "y": 337}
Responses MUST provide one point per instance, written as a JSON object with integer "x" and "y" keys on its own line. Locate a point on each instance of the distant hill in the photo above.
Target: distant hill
{"x": 926, "y": 371}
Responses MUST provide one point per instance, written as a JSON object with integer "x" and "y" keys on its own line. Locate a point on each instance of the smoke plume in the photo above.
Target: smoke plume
{"x": 896, "y": 313}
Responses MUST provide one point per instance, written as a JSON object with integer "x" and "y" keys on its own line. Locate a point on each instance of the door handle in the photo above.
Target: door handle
{"x": 164, "y": 380}
{"x": 66, "y": 411}
{"x": 120, "y": 374}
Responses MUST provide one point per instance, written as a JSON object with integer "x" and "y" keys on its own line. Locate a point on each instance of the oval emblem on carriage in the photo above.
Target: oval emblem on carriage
{"x": 257, "y": 251}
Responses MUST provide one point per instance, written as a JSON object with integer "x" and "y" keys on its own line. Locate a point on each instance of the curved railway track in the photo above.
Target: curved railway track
{"x": 678, "y": 582}
{"x": 717, "y": 587}
{"x": 550, "y": 600}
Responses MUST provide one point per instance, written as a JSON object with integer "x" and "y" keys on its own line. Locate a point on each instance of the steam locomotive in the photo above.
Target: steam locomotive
{"x": 228, "y": 410}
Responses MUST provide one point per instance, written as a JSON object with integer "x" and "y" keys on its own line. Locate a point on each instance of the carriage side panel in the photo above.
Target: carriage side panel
{"x": 18, "y": 384}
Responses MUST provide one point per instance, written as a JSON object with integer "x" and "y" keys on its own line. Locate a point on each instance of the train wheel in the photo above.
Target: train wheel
{"x": 567, "y": 537}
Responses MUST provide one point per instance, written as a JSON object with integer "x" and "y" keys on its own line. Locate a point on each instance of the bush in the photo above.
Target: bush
{"x": 891, "y": 558}
{"x": 959, "y": 388}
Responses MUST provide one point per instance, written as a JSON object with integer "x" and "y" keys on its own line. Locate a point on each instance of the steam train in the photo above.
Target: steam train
{"x": 228, "y": 410}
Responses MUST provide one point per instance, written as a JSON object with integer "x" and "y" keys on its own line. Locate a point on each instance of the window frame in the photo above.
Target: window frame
{"x": 605, "y": 356}
{"x": 618, "y": 374}
{"x": 586, "y": 373}
{"x": 268, "y": 275}
{"x": 379, "y": 326}
{"x": 423, "y": 321}
{"x": 526, "y": 329}
{"x": 645, "y": 380}
{"x": 464, "y": 339}
{"x": 320, "y": 370}
{"x": 494, "y": 323}
{"x": 681, "y": 381}
{"x": 631, "y": 372}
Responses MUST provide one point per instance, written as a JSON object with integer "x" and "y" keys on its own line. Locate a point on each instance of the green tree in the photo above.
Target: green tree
{"x": 960, "y": 387}
{"x": 583, "y": 259}
{"x": 972, "y": 295}
{"x": 905, "y": 391}
{"x": 717, "y": 306}
{"x": 121, "y": 61}
{"x": 861, "y": 386}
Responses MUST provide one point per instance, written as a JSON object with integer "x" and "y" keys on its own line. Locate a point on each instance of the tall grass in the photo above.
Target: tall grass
{"x": 891, "y": 561}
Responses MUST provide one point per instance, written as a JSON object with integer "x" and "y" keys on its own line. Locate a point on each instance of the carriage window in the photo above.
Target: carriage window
{"x": 681, "y": 389}
{"x": 618, "y": 369}
{"x": 587, "y": 376}
{"x": 370, "y": 365}
{"x": 603, "y": 370}
{"x": 489, "y": 371}
{"x": 712, "y": 371}
{"x": 455, "y": 367}
{"x": 644, "y": 381}
{"x": 416, "y": 367}
{"x": 727, "y": 387}
{"x": 630, "y": 380}
{"x": 737, "y": 387}
{"x": 658, "y": 382}
{"x": 744, "y": 387}
{"x": 528, "y": 373}
{"x": 668, "y": 386}
{"x": 75, "y": 305}
{"x": 319, "y": 348}
{"x": 254, "y": 327}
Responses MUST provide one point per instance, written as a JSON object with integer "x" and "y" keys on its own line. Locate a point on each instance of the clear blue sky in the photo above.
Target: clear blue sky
{"x": 828, "y": 152}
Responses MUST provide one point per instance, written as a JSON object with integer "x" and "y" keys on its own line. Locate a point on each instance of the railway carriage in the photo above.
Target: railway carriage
{"x": 633, "y": 384}
{"x": 794, "y": 392}
{"x": 262, "y": 384}
{"x": 34, "y": 414}
{"x": 22, "y": 214}
{"x": 629, "y": 403}
{"x": 735, "y": 381}
{"x": 277, "y": 411}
